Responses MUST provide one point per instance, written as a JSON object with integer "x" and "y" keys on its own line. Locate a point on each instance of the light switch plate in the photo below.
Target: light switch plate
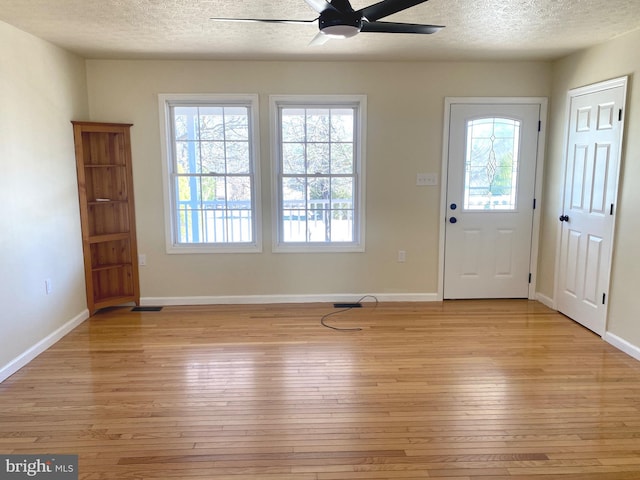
{"x": 426, "y": 179}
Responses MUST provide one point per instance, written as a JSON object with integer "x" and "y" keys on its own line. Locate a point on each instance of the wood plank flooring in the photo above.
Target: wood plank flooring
{"x": 456, "y": 390}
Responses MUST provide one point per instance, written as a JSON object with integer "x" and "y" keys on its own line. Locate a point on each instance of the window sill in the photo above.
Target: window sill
{"x": 208, "y": 248}
{"x": 318, "y": 248}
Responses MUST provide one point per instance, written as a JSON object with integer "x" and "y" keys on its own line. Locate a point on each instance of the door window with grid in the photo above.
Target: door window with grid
{"x": 491, "y": 164}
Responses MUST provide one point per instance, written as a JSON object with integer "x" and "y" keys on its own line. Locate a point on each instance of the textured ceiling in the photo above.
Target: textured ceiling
{"x": 181, "y": 29}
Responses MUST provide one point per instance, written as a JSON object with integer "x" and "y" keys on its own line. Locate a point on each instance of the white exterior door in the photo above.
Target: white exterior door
{"x": 590, "y": 191}
{"x": 490, "y": 185}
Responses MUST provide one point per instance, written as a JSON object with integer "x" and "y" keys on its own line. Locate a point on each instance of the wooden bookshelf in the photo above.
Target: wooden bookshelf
{"x": 107, "y": 214}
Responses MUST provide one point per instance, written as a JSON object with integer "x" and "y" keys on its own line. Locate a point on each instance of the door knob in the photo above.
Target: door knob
{"x": 453, "y": 206}
{"x": 453, "y": 220}
{"x": 564, "y": 218}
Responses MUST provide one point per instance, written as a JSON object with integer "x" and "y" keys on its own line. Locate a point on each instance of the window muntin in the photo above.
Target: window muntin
{"x": 319, "y": 169}
{"x": 212, "y": 173}
{"x": 491, "y": 164}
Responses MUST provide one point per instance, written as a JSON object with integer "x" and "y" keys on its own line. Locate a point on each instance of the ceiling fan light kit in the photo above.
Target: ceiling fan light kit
{"x": 339, "y": 26}
{"x": 339, "y": 20}
{"x": 340, "y": 31}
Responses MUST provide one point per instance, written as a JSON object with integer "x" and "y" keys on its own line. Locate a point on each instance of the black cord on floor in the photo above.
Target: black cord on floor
{"x": 355, "y": 329}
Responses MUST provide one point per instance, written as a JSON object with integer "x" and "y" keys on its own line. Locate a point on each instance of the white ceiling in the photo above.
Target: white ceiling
{"x": 181, "y": 29}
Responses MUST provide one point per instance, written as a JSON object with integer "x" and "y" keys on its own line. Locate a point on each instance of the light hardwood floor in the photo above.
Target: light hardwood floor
{"x": 460, "y": 390}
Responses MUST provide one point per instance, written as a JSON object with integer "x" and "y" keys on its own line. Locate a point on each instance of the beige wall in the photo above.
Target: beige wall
{"x": 405, "y": 112}
{"x": 42, "y": 88}
{"x": 613, "y": 59}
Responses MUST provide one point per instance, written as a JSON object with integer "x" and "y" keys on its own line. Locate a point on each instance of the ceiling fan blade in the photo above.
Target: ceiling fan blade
{"x": 262, "y": 20}
{"x": 319, "y": 39}
{"x": 387, "y": 7}
{"x": 392, "y": 27}
{"x": 320, "y": 5}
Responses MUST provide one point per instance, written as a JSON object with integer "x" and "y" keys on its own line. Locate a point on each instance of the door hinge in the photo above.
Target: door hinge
{"x": 620, "y": 115}
{"x": 534, "y": 203}
{"x": 529, "y": 278}
{"x": 539, "y": 125}
{"x": 611, "y": 210}
{"x": 604, "y": 297}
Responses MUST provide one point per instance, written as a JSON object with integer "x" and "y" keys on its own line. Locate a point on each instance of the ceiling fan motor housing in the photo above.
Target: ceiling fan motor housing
{"x": 338, "y": 19}
{"x": 340, "y": 24}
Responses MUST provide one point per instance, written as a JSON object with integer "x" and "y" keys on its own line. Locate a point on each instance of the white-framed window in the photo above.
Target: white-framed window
{"x": 318, "y": 172}
{"x": 211, "y": 172}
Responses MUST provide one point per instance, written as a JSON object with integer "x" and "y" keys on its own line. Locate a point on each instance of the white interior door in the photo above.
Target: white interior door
{"x": 491, "y": 172}
{"x": 590, "y": 192}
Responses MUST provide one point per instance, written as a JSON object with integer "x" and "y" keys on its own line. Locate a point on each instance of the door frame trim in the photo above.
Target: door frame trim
{"x": 540, "y": 155}
{"x": 577, "y": 92}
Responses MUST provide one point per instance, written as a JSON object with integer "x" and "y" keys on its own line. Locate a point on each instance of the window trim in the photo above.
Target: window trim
{"x": 165, "y": 102}
{"x": 325, "y": 101}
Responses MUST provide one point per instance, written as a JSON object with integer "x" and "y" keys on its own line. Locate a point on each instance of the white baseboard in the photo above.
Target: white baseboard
{"x": 24, "y": 358}
{"x": 616, "y": 341}
{"x": 265, "y": 299}
{"x": 547, "y": 301}
{"x": 621, "y": 344}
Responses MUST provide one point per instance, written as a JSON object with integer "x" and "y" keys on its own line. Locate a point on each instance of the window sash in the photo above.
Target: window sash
{"x": 335, "y": 221}
{"x": 212, "y": 191}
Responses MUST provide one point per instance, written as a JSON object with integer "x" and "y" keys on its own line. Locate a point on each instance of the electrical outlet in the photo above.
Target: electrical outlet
{"x": 142, "y": 259}
{"x": 47, "y": 286}
{"x": 426, "y": 179}
{"x": 402, "y": 256}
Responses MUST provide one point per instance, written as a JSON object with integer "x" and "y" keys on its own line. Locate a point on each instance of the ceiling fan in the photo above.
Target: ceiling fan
{"x": 338, "y": 19}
